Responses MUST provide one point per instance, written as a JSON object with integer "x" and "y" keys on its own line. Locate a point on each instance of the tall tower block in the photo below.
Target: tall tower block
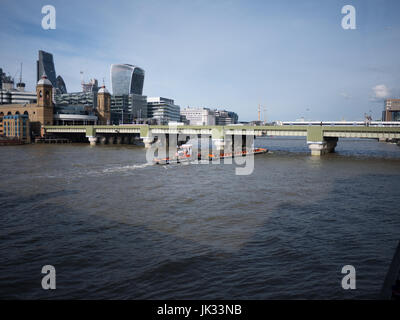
{"x": 103, "y": 106}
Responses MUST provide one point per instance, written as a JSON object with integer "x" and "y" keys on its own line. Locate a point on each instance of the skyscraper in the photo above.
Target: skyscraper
{"x": 45, "y": 65}
{"x": 126, "y": 79}
{"x": 61, "y": 87}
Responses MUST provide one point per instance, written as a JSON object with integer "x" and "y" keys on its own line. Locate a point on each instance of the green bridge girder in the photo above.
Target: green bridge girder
{"x": 313, "y": 133}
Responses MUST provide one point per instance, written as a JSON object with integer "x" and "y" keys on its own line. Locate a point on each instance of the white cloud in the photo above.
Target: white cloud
{"x": 380, "y": 91}
{"x": 345, "y": 95}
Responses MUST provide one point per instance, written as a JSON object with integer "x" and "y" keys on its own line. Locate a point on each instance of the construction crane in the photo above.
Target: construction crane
{"x": 265, "y": 114}
{"x": 20, "y": 84}
{"x": 264, "y": 109}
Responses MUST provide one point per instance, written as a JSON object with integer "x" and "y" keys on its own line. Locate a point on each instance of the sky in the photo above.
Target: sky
{"x": 292, "y": 57}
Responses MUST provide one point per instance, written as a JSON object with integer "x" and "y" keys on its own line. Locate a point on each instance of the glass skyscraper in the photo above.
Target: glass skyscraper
{"x": 45, "y": 64}
{"x": 61, "y": 85}
{"x": 126, "y": 79}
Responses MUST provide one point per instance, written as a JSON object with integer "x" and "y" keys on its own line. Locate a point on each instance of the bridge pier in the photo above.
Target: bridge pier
{"x": 319, "y": 148}
{"x": 218, "y": 139}
{"x": 219, "y": 145}
{"x": 126, "y": 140}
{"x": 92, "y": 140}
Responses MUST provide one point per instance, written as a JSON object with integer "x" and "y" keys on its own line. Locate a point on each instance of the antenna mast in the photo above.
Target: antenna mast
{"x": 20, "y": 75}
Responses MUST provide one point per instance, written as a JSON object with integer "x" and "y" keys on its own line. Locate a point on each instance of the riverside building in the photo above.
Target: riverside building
{"x": 199, "y": 116}
{"x": 39, "y": 113}
{"x": 11, "y": 95}
{"x": 126, "y": 109}
{"x": 163, "y": 110}
{"x": 391, "y": 110}
{"x": 223, "y": 117}
{"x": 17, "y": 126}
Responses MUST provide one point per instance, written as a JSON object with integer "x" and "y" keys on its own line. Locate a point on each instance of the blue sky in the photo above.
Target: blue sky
{"x": 291, "y": 56}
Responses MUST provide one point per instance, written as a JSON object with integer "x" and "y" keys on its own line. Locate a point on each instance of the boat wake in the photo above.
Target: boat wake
{"x": 127, "y": 168}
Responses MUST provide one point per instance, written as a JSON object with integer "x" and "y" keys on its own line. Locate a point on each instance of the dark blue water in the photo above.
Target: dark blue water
{"x": 115, "y": 227}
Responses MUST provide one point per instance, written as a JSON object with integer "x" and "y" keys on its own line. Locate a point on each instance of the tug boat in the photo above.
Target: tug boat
{"x": 185, "y": 154}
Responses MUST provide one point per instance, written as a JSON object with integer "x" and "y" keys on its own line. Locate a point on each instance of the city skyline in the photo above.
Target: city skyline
{"x": 295, "y": 60}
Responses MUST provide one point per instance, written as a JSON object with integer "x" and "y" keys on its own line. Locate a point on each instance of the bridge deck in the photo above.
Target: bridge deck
{"x": 313, "y": 133}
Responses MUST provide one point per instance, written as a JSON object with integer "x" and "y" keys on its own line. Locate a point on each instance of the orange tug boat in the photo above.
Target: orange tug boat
{"x": 184, "y": 154}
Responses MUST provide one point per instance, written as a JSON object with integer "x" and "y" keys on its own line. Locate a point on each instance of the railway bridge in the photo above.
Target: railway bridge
{"x": 321, "y": 139}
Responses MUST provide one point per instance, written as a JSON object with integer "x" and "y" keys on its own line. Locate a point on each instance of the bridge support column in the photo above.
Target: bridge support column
{"x": 219, "y": 145}
{"x": 91, "y": 135}
{"x": 218, "y": 139}
{"x": 146, "y": 136}
{"x": 92, "y": 140}
{"x": 319, "y": 148}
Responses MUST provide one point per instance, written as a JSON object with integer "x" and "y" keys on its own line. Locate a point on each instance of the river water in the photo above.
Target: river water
{"x": 115, "y": 227}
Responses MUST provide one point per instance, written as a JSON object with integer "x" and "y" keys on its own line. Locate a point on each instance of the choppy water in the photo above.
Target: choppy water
{"x": 115, "y": 227}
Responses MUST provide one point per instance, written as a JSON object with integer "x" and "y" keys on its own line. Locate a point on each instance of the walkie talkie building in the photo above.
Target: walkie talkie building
{"x": 126, "y": 79}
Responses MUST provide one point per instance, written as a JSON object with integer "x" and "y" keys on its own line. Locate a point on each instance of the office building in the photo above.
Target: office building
{"x": 391, "y": 110}
{"x": 76, "y": 108}
{"x": 163, "y": 110}
{"x": 86, "y": 99}
{"x": 45, "y": 65}
{"x": 75, "y": 114}
{"x": 11, "y": 95}
{"x": 126, "y": 79}
{"x": 120, "y": 110}
{"x": 61, "y": 87}
{"x": 6, "y": 82}
{"x": 223, "y": 117}
{"x": 126, "y": 109}
{"x": 17, "y": 126}
{"x": 199, "y": 116}
{"x": 17, "y": 97}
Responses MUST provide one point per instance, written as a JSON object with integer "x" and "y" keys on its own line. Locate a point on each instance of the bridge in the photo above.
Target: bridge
{"x": 321, "y": 139}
